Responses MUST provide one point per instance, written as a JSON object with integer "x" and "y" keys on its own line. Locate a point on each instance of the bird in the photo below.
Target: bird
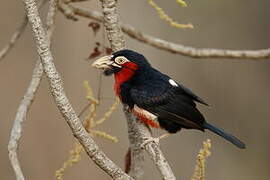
{"x": 155, "y": 98}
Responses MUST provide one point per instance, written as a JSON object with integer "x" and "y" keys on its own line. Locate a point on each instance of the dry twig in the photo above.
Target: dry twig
{"x": 22, "y": 111}
{"x": 16, "y": 35}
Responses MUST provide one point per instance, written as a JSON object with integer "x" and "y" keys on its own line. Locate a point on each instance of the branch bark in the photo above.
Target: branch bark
{"x": 62, "y": 101}
{"x": 176, "y": 48}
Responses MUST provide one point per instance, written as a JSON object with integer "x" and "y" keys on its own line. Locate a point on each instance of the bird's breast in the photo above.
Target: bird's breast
{"x": 121, "y": 77}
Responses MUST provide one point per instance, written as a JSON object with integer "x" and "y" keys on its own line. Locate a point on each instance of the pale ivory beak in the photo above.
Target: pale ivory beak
{"x": 103, "y": 62}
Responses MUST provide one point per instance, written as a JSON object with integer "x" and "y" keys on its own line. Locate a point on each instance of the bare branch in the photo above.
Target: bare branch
{"x": 177, "y": 48}
{"x": 74, "y": 1}
{"x": 66, "y": 10}
{"x": 62, "y": 101}
{"x": 111, "y": 23}
{"x": 136, "y": 152}
{"x": 20, "y": 117}
{"x": 50, "y": 21}
{"x": 16, "y": 35}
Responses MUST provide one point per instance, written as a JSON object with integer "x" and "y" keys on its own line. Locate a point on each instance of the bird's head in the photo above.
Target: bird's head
{"x": 122, "y": 62}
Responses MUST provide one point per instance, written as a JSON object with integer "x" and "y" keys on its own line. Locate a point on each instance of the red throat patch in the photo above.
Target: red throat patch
{"x": 125, "y": 74}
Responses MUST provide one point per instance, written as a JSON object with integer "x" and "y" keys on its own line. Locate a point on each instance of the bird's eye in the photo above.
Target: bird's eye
{"x": 121, "y": 60}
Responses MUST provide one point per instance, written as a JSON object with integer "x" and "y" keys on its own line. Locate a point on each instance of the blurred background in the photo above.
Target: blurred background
{"x": 237, "y": 90}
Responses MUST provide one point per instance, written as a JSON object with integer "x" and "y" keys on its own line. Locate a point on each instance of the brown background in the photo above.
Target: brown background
{"x": 238, "y": 90}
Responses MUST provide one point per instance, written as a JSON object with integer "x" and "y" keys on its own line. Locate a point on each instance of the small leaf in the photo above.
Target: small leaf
{"x": 95, "y": 54}
{"x": 95, "y": 27}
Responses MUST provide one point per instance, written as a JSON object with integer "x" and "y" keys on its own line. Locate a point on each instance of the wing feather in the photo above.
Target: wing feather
{"x": 192, "y": 95}
{"x": 168, "y": 103}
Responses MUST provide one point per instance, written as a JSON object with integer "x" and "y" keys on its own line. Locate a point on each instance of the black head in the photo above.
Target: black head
{"x": 132, "y": 56}
{"x": 123, "y": 59}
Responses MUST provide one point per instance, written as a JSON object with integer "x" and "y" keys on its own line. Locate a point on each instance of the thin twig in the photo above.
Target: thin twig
{"x": 173, "y": 47}
{"x": 85, "y": 108}
{"x": 22, "y": 112}
{"x": 62, "y": 101}
{"x": 66, "y": 10}
{"x": 16, "y": 35}
{"x": 27, "y": 100}
{"x": 75, "y": 1}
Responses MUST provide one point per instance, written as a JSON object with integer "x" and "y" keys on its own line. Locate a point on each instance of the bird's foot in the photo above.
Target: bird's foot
{"x": 148, "y": 140}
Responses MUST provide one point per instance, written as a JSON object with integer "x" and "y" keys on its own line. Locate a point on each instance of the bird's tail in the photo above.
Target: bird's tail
{"x": 225, "y": 135}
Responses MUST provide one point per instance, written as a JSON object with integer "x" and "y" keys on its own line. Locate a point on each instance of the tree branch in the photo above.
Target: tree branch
{"x": 173, "y": 47}
{"x": 16, "y": 35}
{"x": 136, "y": 168}
{"x": 22, "y": 112}
{"x": 62, "y": 101}
{"x": 111, "y": 23}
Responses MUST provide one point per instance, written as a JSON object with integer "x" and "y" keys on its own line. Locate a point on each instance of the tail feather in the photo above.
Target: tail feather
{"x": 225, "y": 135}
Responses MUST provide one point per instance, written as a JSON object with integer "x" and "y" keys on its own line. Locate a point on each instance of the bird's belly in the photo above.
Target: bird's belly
{"x": 146, "y": 117}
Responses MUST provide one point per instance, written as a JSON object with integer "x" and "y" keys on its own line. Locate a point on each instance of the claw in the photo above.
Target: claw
{"x": 148, "y": 140}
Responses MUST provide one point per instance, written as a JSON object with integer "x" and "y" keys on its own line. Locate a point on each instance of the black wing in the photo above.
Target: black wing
{"x": 192, "y": 95}
{"x": 168, "y": 103}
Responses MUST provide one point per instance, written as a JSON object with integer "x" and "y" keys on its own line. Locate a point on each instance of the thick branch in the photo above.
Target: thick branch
{"x": 61, "y": 100}
{"x": 177, "y": 48}
{"x": 111, "y": 23}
